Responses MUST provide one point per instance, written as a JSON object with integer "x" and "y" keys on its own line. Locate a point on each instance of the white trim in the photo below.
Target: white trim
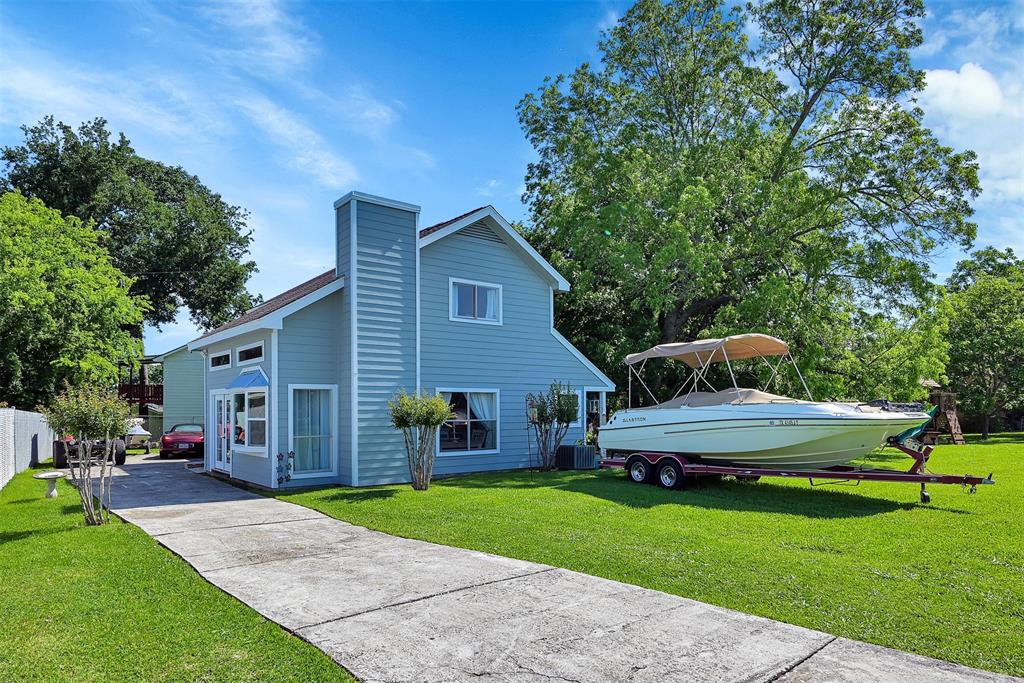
{"x": 601, "y": 393}
{"x": 497, "y": 421}
{"x": 270, "y": 321}
{"x": 333, "y": 389}
{"x": 273, "y": 426}
{"x": 609, "y": 385}
{"x": 511, "y": 235}
{"x": 581, "y": 409}
{"x": 215, "y": 394}
{"x": 375, "y": 199}
{"x": 207, "y": 461}
{"x": 353, "y": 235}
{"x": 238, "y": 353}
{"x": 255, "y": 451}
{"x": 416, "y": 235}
{"x": 452, "y": 281}
{"x": 217, "y": 354}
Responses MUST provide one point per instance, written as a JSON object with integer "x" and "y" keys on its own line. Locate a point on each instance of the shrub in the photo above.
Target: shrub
{"x": 90, "y": 413}
{"x": 418, "y": 416}
{"x": 549, "y": 415}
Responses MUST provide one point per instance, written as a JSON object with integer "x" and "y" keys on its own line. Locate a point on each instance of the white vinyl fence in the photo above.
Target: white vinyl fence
{"x": 25, "y": 440}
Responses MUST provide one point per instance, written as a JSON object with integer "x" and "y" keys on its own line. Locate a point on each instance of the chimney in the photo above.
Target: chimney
{"x": 377, "y": 254}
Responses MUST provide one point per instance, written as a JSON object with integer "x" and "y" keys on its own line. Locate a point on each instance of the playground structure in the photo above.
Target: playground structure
{"x": 944, "y": 420}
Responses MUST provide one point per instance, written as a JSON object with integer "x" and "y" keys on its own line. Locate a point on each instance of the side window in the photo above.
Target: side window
{"x": 478, "y": 302}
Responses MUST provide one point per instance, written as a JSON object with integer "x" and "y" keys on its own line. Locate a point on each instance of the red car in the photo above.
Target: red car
{"x": 182, "y": 439}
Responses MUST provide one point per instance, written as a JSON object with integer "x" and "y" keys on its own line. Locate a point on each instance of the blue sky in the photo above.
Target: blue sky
{"x": 284, "y": 106}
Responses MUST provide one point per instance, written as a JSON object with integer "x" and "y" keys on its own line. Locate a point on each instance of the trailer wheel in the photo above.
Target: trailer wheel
{"x": 638, "y": 470}
{"x": 670, "y": 475}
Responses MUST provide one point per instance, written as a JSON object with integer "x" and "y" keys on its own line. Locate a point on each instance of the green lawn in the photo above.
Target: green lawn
{"x": 869, "y": 563}
{"x": 109, "y": 604}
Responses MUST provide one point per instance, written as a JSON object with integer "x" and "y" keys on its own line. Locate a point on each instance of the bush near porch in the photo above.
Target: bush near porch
{"x": 870, "y": 563}
{"x": 107, "y": 603}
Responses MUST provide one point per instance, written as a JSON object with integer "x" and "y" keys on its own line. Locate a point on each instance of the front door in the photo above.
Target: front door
{"x": 222, "y": 432}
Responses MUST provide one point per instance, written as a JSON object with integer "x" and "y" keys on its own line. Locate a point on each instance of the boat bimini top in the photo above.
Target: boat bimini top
{"x": 700, "y": 355}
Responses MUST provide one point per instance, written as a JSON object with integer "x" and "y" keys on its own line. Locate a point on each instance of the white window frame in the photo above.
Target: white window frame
{"x": 238, "y": 354}
{"x": 581, "y": 408}
{"x": 209, "y": 361}
{"x": 452, "y": 281}
{"x": 246, "y": 449}
{"x": 497, "y": 421}
{"x": 333, "y": 389}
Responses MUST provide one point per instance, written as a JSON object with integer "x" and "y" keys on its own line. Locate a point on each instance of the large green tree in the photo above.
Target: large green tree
{"x": 985, "y": 261}
{"x": 690, "y": 186}
{"x": 65, "y": 310}
{"x": 183, "y": 244}
{"x": 986, "y": 334}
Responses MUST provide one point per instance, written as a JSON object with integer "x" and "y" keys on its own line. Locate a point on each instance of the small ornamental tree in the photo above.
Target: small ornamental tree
{"x": 90, "y": 413}
{"x": 419, "y": 416}
{"x": 549, "y": 416}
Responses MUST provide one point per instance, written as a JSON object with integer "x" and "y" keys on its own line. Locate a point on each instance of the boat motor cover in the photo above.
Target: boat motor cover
{"x": 699, "y": 353}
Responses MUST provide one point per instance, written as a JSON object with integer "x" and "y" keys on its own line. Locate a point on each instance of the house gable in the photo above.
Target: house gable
{"x": 487, "y": 218}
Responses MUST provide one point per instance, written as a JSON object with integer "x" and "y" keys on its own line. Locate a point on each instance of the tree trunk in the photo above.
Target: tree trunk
{"x": 985, "y": 426}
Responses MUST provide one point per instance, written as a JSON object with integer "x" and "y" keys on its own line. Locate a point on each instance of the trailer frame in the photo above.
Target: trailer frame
{"x": 671, "y": 470}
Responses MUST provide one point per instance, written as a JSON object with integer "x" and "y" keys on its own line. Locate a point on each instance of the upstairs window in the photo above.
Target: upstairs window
{"x": 477, "y": 302}
{"x": 253, "y": 353}
{"x": 219, "y": 361}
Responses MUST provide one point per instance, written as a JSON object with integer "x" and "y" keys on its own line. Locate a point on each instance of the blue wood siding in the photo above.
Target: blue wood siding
{"x": 183, "y": 388}
{"x": 310, "y": 350}
{"x": 385, "y": 293}
{"x": 518, "y": 357}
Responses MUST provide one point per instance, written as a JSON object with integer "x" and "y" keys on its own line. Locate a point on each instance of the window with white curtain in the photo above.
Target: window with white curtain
{"x": 311, "y": 429}
{"x": 474, "y": 425}
{"x": 478, "y": 302}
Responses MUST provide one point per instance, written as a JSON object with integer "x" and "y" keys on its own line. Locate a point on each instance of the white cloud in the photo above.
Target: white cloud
{"x": 972, "y": 108}
{"x": 971, "y": 92}
{"x": 261, "y": 37}
{"x": 987, "y": 36}
{"x": 34, "y": 83}
{"x": 489, "y": 188}
{"x": 304, "y": 149}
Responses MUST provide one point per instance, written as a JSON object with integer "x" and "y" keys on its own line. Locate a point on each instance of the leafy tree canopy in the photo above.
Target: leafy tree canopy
{"x": 182, "y": 243}
{"x": 986, "y": 332}
{"x": 690, "y": 186}
{"x": 64, "y": 307}
{"x": 987, "y": 261}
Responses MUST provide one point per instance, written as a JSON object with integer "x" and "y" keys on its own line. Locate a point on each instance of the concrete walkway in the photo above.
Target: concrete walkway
{"x": 393, "y": 609}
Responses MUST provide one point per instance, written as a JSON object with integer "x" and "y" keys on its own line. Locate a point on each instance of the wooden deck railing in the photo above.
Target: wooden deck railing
{"x": 146, "y": 393}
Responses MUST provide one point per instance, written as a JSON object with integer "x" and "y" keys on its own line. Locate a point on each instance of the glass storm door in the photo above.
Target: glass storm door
{"x": 222, "y": 440}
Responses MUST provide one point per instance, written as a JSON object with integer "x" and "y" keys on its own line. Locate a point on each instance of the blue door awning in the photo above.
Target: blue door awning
{"x": 250, "y": 379}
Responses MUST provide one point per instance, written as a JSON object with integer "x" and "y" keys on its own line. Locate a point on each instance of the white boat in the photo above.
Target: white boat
{"x": 747, "y": 427}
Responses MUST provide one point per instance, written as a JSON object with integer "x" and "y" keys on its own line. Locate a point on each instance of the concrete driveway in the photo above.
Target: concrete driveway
{"x": 394, "y": 609}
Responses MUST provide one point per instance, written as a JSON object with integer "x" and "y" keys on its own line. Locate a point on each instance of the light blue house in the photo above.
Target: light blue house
{"x": 463, "y": 308}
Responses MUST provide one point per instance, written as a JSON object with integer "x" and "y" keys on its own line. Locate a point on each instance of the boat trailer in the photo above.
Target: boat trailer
{"x": 672, "y": 470}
